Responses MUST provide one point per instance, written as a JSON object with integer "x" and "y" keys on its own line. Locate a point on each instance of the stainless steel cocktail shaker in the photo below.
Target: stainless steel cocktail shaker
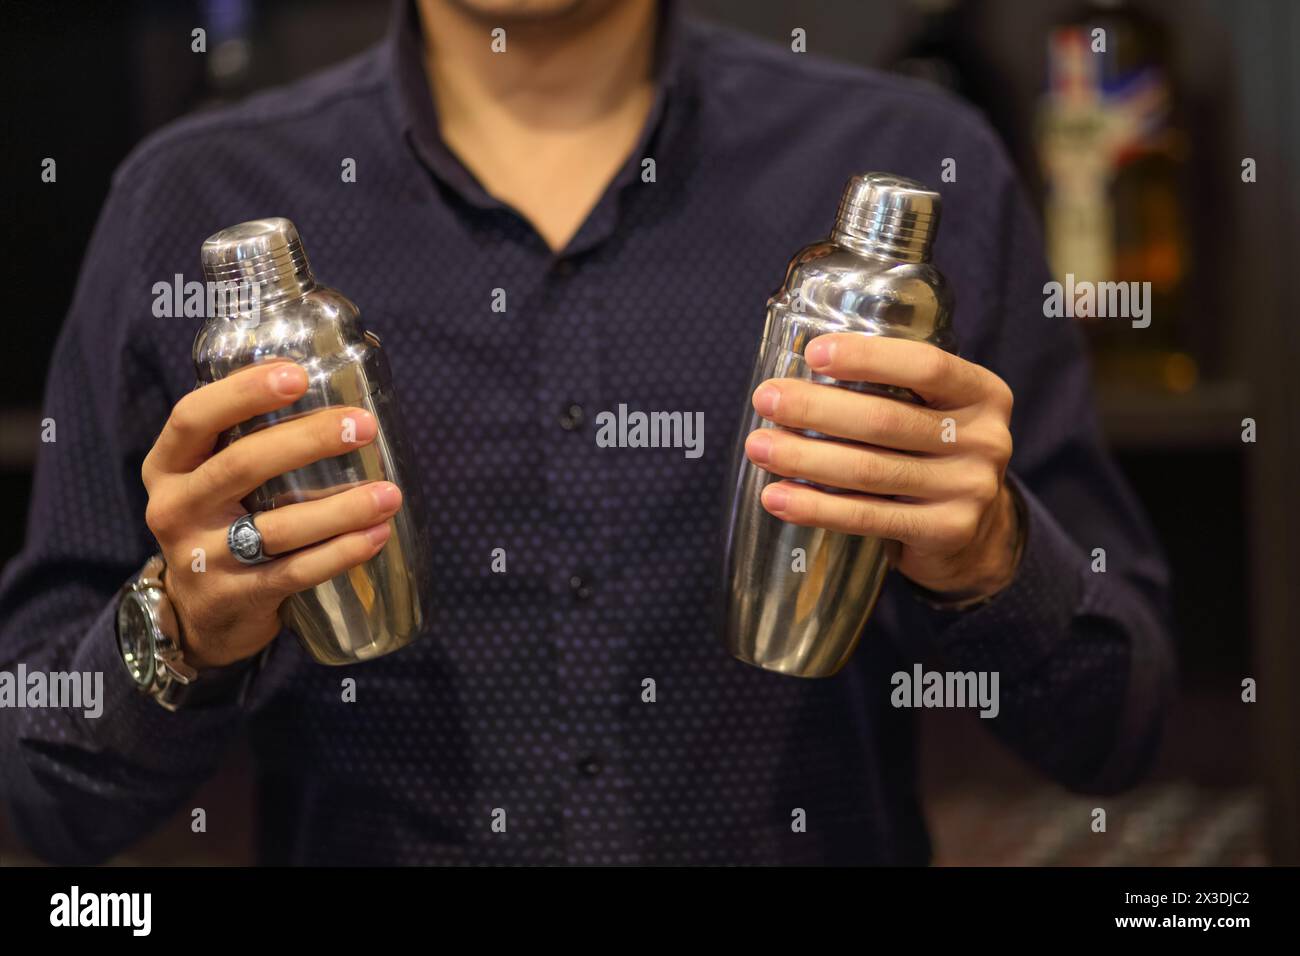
{"x": 268, "y": 305}
{"x": 797, "y": 599}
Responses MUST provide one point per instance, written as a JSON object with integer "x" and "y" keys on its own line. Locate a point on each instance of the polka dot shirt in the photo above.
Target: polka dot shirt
{"x": 577, "y": 707}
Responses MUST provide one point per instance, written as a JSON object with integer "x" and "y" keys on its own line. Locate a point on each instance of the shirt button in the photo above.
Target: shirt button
{"x": 580, "y": 586}
{"x": 590, "y": 766}
{"x": 564, "y": 268}
{"x": 571, "y": 416}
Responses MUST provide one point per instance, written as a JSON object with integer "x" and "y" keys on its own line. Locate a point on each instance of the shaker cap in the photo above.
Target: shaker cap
{"x": 888, "y": 215}
{"x": 263, "y": 256}
{"x": 263, "y": 251}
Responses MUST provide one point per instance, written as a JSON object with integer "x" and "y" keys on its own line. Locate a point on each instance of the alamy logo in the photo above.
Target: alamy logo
{"x": 203, "y": 300}
{"x": 75, "y": 908}
{"x": 77, "y": 690}
{"x": 946, "y": 689}
{"x": 626, "y": 429}
{"x": 1098, "y": 300}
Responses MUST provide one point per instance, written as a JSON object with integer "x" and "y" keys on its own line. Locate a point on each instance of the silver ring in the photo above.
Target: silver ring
{"x": 245, "y": 541}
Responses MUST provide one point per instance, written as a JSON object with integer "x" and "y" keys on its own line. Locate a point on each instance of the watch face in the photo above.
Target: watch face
{"x": 135, "y": 639}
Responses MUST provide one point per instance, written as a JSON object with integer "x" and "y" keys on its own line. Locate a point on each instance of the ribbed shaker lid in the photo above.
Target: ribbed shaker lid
{"x": 261, "y": 251}
{"x": 891, "y": 215}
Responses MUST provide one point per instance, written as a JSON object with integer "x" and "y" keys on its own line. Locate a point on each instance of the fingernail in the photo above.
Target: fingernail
{"x": 766, "y": 400}
{"x": 362, "y": 425}
{"x": 758, "y": 446}
{"x": 775, "y": 498}
{"x": 387, "y": 496}
{"x": 819, "y": 353}
{"x": 288, "y": 380}
{"x": 379, "y": 533}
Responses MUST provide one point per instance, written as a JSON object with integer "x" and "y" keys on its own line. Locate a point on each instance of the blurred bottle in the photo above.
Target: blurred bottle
{"x": 230, "y": 49}
{"x": 1112, "y": 148}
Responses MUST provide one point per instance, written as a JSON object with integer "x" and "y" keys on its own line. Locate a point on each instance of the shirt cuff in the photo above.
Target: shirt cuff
{"x": 1013, "y": 631}
{"x": 135, "y": 726}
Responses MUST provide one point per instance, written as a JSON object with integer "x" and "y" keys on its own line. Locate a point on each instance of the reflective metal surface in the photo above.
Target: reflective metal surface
{"x": 871, "y": 276}
{"x": 375, "y": 608}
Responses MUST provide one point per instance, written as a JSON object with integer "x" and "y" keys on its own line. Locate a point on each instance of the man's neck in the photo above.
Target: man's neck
{"x": 546, "y": 124}
{"x": 557, "y": 72}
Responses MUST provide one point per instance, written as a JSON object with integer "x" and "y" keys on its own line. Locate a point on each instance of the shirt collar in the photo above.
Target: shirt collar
{"x": 417, "y": 114}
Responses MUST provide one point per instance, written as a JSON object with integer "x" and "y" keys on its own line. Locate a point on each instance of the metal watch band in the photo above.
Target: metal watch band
{"x": 176, "y": 684}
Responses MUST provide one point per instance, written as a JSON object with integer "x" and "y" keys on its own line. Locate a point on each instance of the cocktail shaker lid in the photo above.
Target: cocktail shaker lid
{"x": 888, "y": 215}
{"x": 262, "y": 249}
{"x": 263, "y": 257}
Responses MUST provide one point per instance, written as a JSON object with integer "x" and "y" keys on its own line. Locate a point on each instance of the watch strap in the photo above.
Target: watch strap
{"x": 211, "y": 687}
{"x": 178, "y": 684}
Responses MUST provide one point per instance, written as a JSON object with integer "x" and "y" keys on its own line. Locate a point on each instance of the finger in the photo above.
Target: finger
{"x": 306, "y": 523}
{"x": 941, "y": 379}
{"x": 848, "y": 513}
{"x": 839, "y": 465}
{"x": 843, "y": 413}
{"x": 232, "y": 473}
{"x": 200, "y": 417}
{"x": 316, "y": 564}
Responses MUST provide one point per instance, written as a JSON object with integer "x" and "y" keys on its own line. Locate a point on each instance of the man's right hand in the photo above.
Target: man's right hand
{"x": 229, "y": 611}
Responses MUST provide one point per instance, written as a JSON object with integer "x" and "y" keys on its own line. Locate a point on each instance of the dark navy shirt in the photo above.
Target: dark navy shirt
{"x": 583, "y": 697}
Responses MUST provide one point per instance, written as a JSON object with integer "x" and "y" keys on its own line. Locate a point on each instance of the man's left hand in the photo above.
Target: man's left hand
{"x": 929, "y": 477}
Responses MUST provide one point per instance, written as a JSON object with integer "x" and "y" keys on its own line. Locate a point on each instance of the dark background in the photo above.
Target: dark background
{"x": 84, "y": 81}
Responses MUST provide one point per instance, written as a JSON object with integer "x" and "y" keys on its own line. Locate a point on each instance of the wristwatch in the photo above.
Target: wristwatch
{"x": 149, "y": 641}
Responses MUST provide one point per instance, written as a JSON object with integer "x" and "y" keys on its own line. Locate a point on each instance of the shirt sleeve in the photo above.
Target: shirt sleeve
{"x": 1080, "y": 639}
{"x": 79, "y": 783}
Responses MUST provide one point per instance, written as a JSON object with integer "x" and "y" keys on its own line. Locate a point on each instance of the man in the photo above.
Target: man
{"x": 579, "y": 706}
